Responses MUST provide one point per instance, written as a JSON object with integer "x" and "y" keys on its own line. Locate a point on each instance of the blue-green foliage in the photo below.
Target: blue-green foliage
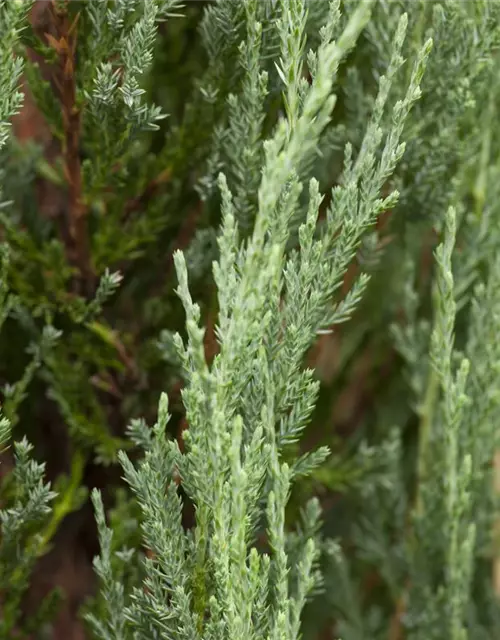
{"x": 304, "y": 170}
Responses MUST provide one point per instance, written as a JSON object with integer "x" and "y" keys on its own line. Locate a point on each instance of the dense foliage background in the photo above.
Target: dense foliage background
{"x": 130, "y": 111}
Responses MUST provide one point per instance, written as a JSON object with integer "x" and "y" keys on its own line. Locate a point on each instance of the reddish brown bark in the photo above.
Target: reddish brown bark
{"x": 64, "y": 42}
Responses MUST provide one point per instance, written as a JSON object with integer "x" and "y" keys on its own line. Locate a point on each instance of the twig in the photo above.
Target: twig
{"x": 140, "y": 201}
{"x": 64, "y": 43}
{"x": 396, "y": 625}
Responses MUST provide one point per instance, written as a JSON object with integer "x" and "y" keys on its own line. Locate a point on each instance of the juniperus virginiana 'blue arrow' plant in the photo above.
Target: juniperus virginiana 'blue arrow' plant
{"x": 339, "y": 163}
{"x": 245, "y": 409}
